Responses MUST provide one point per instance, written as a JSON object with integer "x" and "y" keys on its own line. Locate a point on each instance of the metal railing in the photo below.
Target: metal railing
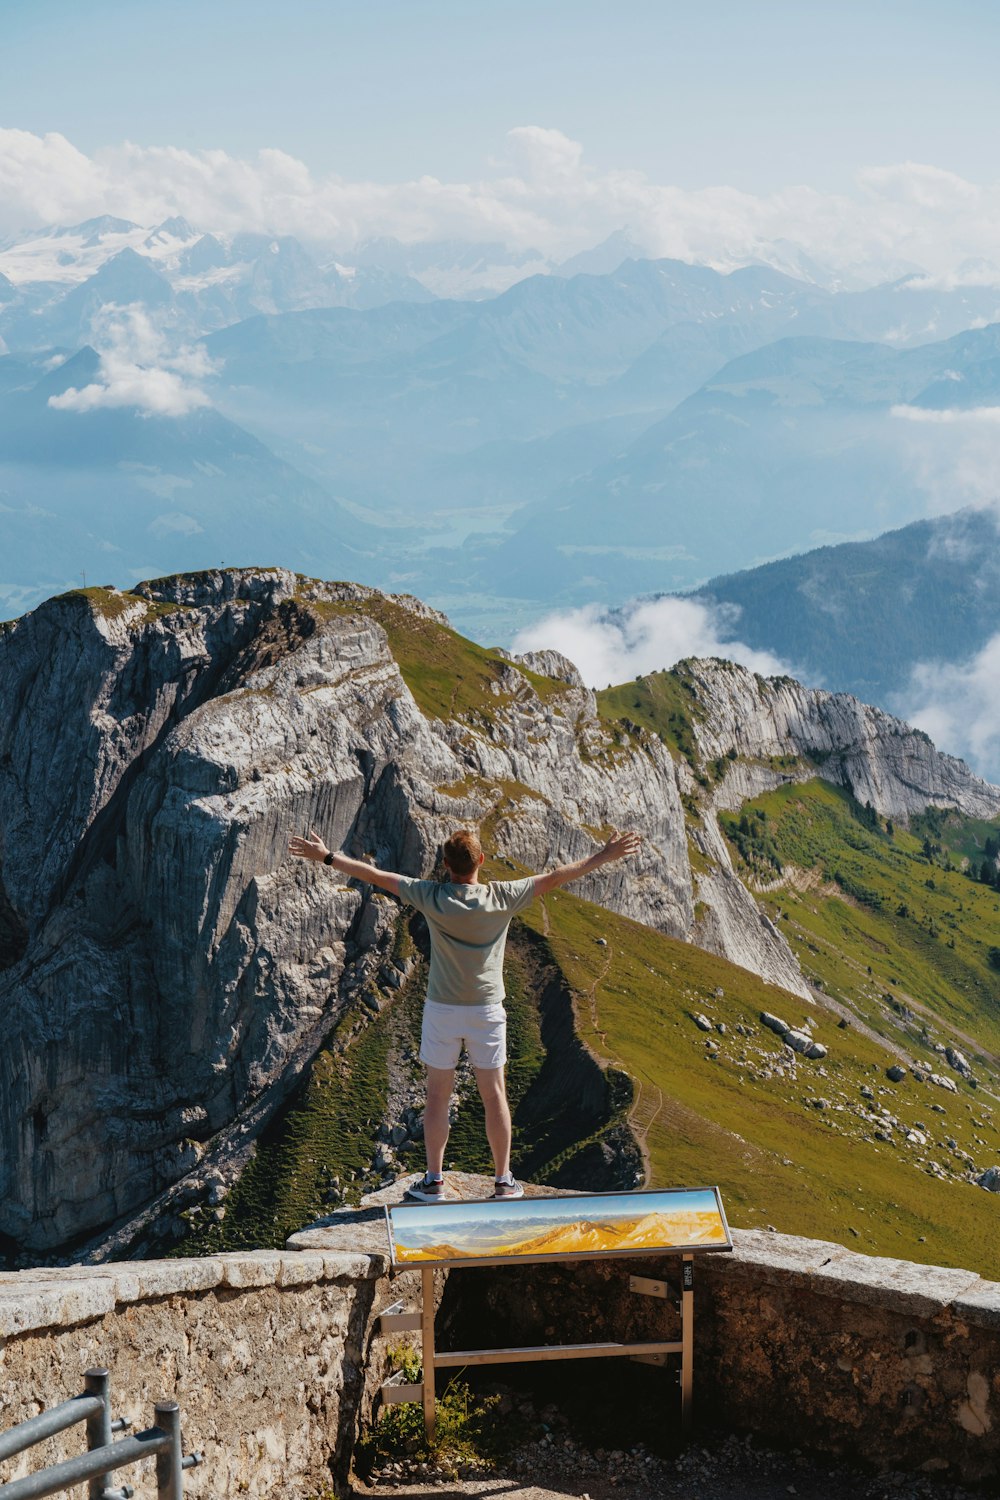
{"x": 104, "y": 1455}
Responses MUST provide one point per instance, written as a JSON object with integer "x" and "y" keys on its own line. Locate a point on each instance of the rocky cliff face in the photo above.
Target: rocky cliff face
{"x": 165, "y": 962}
{"x": 763, "y": 732}
{"x": 166, "y": 968}
{"x": 878, "y": 758}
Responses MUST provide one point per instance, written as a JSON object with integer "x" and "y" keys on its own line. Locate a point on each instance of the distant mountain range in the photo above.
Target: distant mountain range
{"x": 545, "y": 410}
{"x": 623, "y": 426}
{"x": 857, "y": 617}
{"x": 113, "y": 493}
{"x": 793, "y": 443}
{"x": 52, "y": 282}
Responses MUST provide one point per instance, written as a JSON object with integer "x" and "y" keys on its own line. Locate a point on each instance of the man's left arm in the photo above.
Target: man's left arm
{"x": 619, "y": 846}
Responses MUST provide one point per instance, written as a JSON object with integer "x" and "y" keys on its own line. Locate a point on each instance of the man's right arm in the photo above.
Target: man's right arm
{"x": 619, "y": 846}
{"x": 356, "y": 869}
{"x": 314, "y": 848}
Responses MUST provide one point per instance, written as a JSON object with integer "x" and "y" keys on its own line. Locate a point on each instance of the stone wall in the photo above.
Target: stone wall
{"x": 265, "y": 1352}
{"x": 275, "y": 1357}
{"x": 882, "y": 1360}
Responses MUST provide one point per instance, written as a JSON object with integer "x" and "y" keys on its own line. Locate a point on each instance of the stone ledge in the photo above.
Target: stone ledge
{"x": 868, "y": 1280}
{"x": 828, "y": 1269}
{"x": 361, "y": 1231}
{"x": 125, "y": 1278}
{"x": 778, "y": 1256}
{"x": 251, "y": 1268}
{"x": 981, "y": 1306}
{"x": 350, "y": 1245}
{"x": 56, "y": 1305}
{"x": 59, "y": 1296}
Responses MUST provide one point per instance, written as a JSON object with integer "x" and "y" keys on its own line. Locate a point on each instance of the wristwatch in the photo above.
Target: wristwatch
{"x": 328, "y": 858}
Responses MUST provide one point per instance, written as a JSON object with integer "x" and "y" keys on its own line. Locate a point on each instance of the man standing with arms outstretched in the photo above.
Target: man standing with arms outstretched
{"x": 468, "y": 920}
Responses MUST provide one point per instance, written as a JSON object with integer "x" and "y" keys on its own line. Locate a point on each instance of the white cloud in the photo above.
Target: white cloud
{"x": 545, "y": 156}
{"x": 949, "y": 415}
{"x": 959, "y": 707}
{"x": 543, "y": 194}
{"x": 954, "y": 454}
{"x": 174, "y": 523}
{"x": 138, "y": 369}
{"x": 611, "y": 646}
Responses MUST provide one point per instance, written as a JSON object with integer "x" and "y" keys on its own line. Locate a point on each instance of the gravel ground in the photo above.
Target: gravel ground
{"x": 557, "y": 1468}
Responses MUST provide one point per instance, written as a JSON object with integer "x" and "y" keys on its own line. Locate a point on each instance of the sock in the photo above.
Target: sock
{"x": 508, "y": 1176}
{"x": 434, "y": 1176}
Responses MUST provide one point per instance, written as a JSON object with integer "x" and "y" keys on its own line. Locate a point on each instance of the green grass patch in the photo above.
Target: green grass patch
{"x": 109, "y": 603}
{"x": 450, "y": 677}
{"x": 112, "y": 603}
{"x": 502, "y": 793}
{"x": 666, "y": 703}
{"x": 470, "y": 1428}
{"x": 883, "y": 918}
{"x": 329, "y": 1130}
{"x": 951, "y": 834}
{"x": 751, "y": 836}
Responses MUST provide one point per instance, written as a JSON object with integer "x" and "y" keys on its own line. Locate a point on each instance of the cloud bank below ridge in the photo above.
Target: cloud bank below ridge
{"x": 611, "y": 646}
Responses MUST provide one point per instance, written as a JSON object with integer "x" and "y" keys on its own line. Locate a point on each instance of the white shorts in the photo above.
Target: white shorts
{"x": 483, "y": 1029}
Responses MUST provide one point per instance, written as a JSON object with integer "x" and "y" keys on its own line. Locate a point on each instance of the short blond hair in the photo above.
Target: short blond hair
{"x": 463, "y": 851}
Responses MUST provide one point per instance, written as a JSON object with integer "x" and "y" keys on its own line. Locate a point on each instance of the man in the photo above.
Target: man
{"x": 468, "y": 921}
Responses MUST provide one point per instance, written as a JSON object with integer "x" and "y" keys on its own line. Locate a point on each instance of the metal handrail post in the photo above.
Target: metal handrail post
{"x": 100, "y": 1434}
{"x": 170, "y": 1459}
{"x": 96, "y": 1383}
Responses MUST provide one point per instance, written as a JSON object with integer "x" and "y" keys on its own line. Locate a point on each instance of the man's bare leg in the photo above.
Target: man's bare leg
{"x": 493, "y": 1093}
{"x": 440, "y": 1082}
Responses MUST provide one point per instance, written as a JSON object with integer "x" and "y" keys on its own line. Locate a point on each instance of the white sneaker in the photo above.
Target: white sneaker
{"x": 428, "y": 1189}
{"x": 507, "y": 1187}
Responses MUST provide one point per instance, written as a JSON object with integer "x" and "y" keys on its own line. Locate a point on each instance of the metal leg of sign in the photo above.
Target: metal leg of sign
{"x": 687, "y": 1342}
{"x": 427, "y": 1340}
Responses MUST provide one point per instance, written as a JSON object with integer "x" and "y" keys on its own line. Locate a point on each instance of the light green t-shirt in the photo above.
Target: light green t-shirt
{"x": 468, "y": 926}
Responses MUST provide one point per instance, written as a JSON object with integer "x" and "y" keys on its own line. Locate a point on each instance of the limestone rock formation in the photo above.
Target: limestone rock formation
{"x": 165, "y": 962}
{"x": 880, "y": 759}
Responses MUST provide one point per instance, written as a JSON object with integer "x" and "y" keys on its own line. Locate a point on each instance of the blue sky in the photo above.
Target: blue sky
{"x": 755, "y": 96}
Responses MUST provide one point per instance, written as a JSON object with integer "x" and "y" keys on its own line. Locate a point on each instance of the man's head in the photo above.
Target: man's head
{"x": 463, "y": 853}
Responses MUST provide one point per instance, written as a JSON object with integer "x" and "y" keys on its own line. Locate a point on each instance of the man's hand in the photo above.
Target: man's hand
{"x": 312, "y": 847}
{"x": 620, "y": 846}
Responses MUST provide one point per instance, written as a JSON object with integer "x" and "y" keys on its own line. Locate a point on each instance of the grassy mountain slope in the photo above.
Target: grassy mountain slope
{"x": 878, "y": 923}
{"x": 726, "y": 1107}
{"x": 742, "y": 1116}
